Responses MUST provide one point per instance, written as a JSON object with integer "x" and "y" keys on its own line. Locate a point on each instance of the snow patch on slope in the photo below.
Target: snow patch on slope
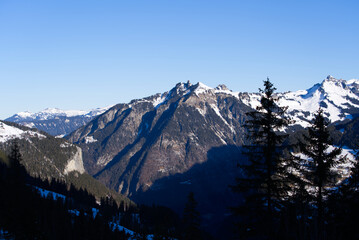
{"x": 134, "y": 235}
{"x": 9, "y": 132}
{"x": 201, "y": 88}
{"x": 44, "y": 193}
{"x": 90, "y": 139}
{"x": 343, "y": 168}
{"x": 216, "y": 110}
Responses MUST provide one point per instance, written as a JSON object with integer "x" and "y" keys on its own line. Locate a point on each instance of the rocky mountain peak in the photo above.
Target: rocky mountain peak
{"x": 330, "y": 78}
{"x": 222, "y": 87}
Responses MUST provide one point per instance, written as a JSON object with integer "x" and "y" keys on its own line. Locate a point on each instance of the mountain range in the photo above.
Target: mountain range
{"x": 159, "y": 148}
{"x": 168, "y": 133}
{"x": 55, "y": 121}
{"x": 338, "y": 98}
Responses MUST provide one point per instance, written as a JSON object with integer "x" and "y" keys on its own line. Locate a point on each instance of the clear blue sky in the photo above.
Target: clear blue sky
{"x": 87, "y": 54}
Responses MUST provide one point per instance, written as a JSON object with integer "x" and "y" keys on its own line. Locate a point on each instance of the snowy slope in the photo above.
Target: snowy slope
{"x": 8, "y": 132}
{"x": 338, "y": 98}
{"x": 71, "y": 156}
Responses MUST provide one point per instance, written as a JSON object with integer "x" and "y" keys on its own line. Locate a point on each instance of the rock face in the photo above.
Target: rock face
{"x": 75, "y": 163}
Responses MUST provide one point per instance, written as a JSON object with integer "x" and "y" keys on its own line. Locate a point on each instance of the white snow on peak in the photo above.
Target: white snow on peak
{"x": 9, "y": 132}
{"x": 51, "y": 113}
{"x": 331, "y": 92}
{"x": 202, "y": 88}
{"x": 353, "y": 81}
{"x": 332, "y": 95}
{"x": 25, "y": 114}
{"x": 221, "y": 89}
{"x": 184, "y": 89}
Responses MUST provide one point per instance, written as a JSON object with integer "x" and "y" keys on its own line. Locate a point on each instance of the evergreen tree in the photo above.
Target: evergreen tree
{"x": 15, "y": 158}
{"x": 191, "y": 219}
{"x": 317, "y": 167}
{"x": 343, "y": 206}
{"x": 263, "y": 182}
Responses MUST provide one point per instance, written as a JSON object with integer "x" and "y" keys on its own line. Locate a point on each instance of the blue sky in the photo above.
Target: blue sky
{"x": 88, "y": 54}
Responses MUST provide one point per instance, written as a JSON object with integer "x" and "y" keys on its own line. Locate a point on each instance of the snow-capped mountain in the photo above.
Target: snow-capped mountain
{"x": 50, "y": 113}
{"x": 338, "y": 98}
{"x": 56, "y": 121}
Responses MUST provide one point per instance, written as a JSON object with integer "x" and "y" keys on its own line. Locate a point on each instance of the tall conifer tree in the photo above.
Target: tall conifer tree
{"x": 191, "y": 219}
{"x": 317, "y": 166}
{"x": 263, "y": 180}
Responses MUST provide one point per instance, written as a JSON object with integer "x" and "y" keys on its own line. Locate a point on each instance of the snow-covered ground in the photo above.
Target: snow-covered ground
{"x": 114, "y": 225}
{"x": 134, "y": 235}
{"x": 9, "y": 132}
{"x": 343, "y": 168}
{"x": 45, "y": 193}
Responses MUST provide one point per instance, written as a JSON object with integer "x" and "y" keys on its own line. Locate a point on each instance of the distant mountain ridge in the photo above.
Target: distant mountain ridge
{"x": 56, "y": 121}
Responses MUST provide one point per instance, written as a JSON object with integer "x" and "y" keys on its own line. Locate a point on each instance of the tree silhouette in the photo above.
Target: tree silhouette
{"x": 263, "y": 179}
{"x": 317, "y": 167}
{"x": 191, "y": 219}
